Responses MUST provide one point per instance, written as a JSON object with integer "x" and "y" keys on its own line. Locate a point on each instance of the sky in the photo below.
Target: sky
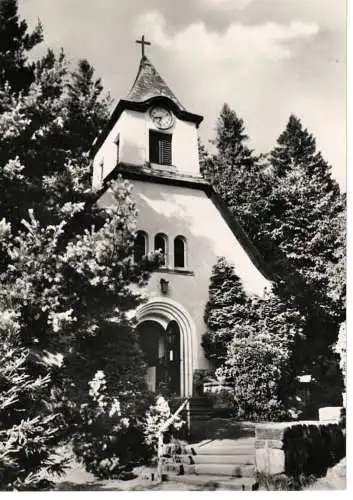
{"x": 266, "y": 58}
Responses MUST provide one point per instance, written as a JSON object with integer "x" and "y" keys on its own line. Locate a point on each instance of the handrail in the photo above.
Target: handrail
{"x": 165, "y": 427}
{"x": 174, "y": 416}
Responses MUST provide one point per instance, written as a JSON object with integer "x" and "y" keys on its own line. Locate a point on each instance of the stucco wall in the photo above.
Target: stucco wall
{"x": 133, "y": 130}
{"x": 176, "y": 210}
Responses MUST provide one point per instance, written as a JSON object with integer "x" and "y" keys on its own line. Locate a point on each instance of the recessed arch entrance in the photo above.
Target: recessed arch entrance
{"x": 161, "y": 316}
{"x": 161, "y": 348}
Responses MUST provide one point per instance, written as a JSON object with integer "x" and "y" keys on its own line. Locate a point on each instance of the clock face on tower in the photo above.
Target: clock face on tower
{"x": 161, "y": 117}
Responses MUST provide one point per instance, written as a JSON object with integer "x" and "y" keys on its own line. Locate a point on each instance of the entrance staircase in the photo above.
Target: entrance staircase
{"x": 223, "y": 463}
{"x": 220, "y": 453}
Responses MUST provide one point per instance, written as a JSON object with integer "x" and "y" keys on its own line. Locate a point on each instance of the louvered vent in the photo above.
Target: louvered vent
{"x": 160, "y": 148}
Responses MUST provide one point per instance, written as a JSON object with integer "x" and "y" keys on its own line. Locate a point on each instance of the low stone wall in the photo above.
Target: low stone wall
{"x": 294, "y": 448}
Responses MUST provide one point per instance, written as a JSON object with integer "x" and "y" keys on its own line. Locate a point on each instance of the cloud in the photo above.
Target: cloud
{"x": 225, "y": 4}
{"x": 264, "y": 71}
{"x": 266, "y": 41}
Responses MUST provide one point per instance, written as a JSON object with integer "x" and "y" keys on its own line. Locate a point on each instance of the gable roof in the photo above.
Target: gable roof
{"x": 148, "y": 173}
{"x": 276, "y": 269}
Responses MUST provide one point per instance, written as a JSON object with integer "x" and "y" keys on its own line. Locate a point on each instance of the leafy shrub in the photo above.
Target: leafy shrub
{"x": 29, "y": 429}
{"x": 114, "y": 435}
{"x": 311, "y": 449}
{"x": 155, "y": 419}
{"x": 256, "y": 365}
{"x": 199, "y": 378}
{"x": 251, "y": 341}
{"x": 110, "y": 441}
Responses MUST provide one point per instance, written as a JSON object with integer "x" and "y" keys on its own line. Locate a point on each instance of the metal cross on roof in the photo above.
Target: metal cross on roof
{"x": 143, "y": 42}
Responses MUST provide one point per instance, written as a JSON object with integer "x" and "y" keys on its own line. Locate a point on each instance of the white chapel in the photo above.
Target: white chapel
{"x": 152, "y": 140}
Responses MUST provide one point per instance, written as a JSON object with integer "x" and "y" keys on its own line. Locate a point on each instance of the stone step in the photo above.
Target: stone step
{"x": 200, "y": 412}
{"x": 199, "y": 420}
{"x": 201, "y": 400}
{"x": 243, "y": 459}
{"x": 220, "y": 428}
{"x": 219, "y": 469}
{"x": 215, "y": 482}
{"x": 194, "y": 403}
{"x": 239, "y": 441}
{"x": 240, "y": 446}
{"x": 201, "y": 407}
{"x": 245, "y": 449}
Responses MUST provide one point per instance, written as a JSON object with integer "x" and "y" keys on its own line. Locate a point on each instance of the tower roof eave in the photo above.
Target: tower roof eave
{"x": 141, "y": 106}
{"x": 148, "y": 88}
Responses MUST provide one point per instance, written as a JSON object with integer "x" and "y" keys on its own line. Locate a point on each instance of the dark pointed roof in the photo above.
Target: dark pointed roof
{"x": 149, "y": 83}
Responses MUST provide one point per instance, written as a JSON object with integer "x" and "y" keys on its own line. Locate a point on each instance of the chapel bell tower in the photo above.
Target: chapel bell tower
{"x": 149, "y": 129}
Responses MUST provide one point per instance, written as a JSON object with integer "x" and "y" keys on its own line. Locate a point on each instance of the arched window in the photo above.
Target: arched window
{"x": 180, "y": 252}
{"x": 141, "y": 246}
{"x": 161, "y": 244}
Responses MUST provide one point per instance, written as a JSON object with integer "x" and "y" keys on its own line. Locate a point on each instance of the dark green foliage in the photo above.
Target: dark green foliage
{"x": 256, "y": 367}
{"x": 295, "y": 149}
{"x": 294, "y": 212}
{"x": 336, "y": 269}
{"x": 291, "y": 207}
{"x": 317, "y": 358}
{"x": 29, "y": 424}
{"x": 227, "y": 306}
{"x": 65, "y": 265}
{"x": 250, "y": 340}
{"x": 311, "y": 449}
{"x": 49, "y": 132}
{"x": 87, "y": 111}
{"x": 306, "y": 209}
{"x": 231, "y": 137}
{"x": 203, "y": 157}
{"x": 236, "y": 173}
{"x": 15, "y": 43}
{"x": 107, "y": 449}
{"x": 308, "y": 226}
{"x": 116, "y": 351}
{"x": 260, "y": 361}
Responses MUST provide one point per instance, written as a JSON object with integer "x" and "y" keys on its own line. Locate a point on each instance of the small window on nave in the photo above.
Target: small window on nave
{"x": 180, "y": 252}
{"x": 101, "y": 166}
{"x": 117, "y": 143}
{"x": 160, "y": 148}
{"x": 140, "y": 246}
{"x": 161, "y": 244}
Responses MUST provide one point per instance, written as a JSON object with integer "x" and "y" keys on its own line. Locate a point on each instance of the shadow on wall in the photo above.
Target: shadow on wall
{"x": 184, "y": 211}
{"x": 133, "y": 153}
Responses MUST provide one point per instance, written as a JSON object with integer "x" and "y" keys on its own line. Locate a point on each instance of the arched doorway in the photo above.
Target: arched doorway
{"x": 161, "y": 348}
{"x": 179, "y": 342}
